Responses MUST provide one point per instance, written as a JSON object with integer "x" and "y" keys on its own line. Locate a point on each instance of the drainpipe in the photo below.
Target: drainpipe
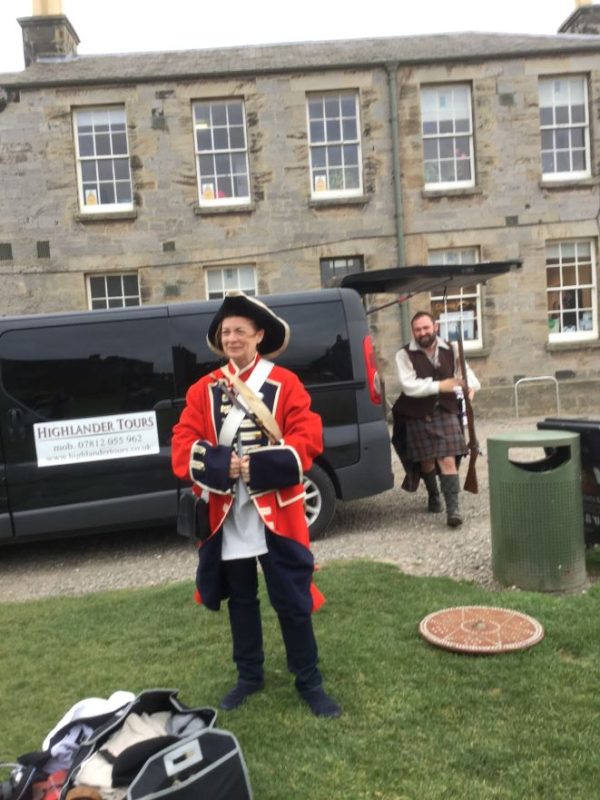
{"x": 392, "y": 72}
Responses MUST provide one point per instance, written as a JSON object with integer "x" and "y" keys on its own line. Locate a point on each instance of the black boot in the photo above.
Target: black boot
{"x": 238, "y": 695}
{"x": 451, "y": 489}
{"x": 321, "y": 704}
{"x": 434, "y": 502}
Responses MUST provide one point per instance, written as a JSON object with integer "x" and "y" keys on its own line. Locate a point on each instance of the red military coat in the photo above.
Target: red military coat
{"x": 276, "y": 471}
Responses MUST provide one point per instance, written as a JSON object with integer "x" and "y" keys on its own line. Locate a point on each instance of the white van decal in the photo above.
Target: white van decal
{"x": 74, "y": 441}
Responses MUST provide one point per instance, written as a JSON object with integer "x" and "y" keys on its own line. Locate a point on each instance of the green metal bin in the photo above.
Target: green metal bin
{"x": 536, "y": 512}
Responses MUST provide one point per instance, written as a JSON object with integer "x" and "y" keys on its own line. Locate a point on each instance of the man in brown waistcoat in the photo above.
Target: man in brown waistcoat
{"x": 428, "y": 414}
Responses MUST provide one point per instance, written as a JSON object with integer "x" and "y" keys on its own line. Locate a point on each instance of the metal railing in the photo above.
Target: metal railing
{"x": 531, "y": 380}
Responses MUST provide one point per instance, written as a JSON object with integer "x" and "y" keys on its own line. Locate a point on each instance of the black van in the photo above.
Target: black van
{"x": 88, "y": 401}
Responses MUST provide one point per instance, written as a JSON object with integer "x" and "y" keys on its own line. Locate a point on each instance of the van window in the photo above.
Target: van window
{"x": 74, "y": 371}
{"x": 318, "y": 352}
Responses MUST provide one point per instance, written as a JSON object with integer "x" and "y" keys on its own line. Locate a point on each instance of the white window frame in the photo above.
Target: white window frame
{"x": 108, "y": 126}
{"x": 219, "y": 280}
{"x": 342, "y": 265}
{"x": 570, "y": 258}
{"x": 331, "y": 149}
{"x": 561, "y": 130}
{"x": 230, "y": 153}
{"x": 456, "y": 256}
{"x": 124, "y": 298}
{"x": 441, "y": 130}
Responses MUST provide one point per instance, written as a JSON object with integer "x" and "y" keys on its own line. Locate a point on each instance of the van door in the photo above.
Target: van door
{"x": 86, "y": 418}
{"x": 5, "y": 520}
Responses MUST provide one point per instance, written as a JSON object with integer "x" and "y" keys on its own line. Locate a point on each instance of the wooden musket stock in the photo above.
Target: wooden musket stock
{"x": 470, "y": 484}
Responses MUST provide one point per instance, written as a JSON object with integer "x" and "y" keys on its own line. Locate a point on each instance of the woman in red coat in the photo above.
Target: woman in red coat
{"x": 250, "y": 468}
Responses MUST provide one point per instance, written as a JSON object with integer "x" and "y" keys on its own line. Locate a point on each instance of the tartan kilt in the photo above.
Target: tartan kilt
{"x": 437, "y": 436}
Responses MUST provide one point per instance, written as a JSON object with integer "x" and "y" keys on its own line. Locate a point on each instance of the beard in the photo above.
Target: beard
{"x": 426, "y": 340}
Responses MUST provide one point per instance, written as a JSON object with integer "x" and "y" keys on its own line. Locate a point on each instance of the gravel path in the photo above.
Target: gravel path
{"x": 392, "y": 527}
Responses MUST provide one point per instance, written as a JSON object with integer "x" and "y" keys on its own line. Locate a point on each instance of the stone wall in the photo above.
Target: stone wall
{"x": 509, "y": 214}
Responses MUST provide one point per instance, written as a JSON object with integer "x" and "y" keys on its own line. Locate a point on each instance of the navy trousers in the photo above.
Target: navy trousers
{"x": 287, "y": 568}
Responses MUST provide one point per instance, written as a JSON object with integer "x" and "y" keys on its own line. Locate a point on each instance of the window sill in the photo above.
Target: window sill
{"x": 480, "y": 352}
{"x": 575, "y": 183}
{"x": 208, "y": 211}
{"x": 582, "y": 344}
{"x": 467, "y": 191}
{"x": 108, "y": 216}
{"x": 328, "y": 202}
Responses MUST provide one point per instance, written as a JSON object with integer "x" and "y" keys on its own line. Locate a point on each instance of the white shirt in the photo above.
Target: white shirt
{"x": 412, "y": 386}
{"x": 243, "y": 529}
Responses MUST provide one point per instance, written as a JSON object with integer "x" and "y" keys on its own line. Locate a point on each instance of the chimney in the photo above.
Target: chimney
{"x": 47, "y": 33}
{"x": 585, "y": 19}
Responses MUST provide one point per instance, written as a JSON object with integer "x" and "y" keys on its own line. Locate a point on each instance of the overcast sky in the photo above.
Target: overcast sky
{"x": 127, "y": 26}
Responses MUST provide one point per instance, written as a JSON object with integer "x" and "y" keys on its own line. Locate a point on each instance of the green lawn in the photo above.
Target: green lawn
{"x": 418, "y": 722}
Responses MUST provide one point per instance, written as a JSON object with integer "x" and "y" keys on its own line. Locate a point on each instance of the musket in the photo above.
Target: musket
{"x": 471, "y": 484}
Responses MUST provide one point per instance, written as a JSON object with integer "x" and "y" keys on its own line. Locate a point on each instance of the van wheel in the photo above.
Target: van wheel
{"x": 319, "y": 503}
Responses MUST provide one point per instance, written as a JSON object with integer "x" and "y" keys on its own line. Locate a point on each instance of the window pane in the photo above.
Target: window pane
{"x": 119, "y": 143}
{"x": 86, "y": 146}
{"x": 88, "y": 171}
{"x": 235, "y": 114}
{"x": 121, "y": 168}
{"x": 335, "y": 156}
{"x": 107, "y": 193}
{"x": 315, "y": 109}
{"x": 348, "y": 105}
{"x": 97, "y": 287}
{"x": 220, "y": 139}
{"x": 463, "y": 170}
{"x": 241, "y": 187}
{"x": 204, "y": 140}
{"x": 130, "y": 284}
{"x": 351, "y": 155}
{"x": 352, "y": 178}
{"x": 219, "y": 114}
{"x": 332, "y": 106}
{"x": 334, "y": 132}
{"x": 349, "y": 129}
{"x": 236, "y": 138}
{"x": 113, "y": 286}
{"x": 224, "y": 187}
{"x": 123, "y": 192}
{"x": 103, "y": 145}
{"x": 317, "y": 132}
{"x": 105, "y": 170}
{"x": 319, "y": 156}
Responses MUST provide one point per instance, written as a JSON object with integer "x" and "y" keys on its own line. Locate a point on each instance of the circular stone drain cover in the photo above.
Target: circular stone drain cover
{"x": 481, "y": 629}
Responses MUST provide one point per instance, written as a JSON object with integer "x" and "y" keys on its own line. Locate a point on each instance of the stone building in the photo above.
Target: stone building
{"x": 152, "y": 178}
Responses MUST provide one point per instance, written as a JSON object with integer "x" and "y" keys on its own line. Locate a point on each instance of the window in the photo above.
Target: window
{"x": 571, "y": 291}
{"x": 221, "y": 152}
{"x": 334, "y": 138}
{"x": 447, "y": 128}
{"x": 564, "y": 128}
{"x": 103, "y": 170}
{"x": 113, "y": 291}
{"x": 464, "y": 306}
{"x": 219, "y": 281}
{"x": 332, "y": 268}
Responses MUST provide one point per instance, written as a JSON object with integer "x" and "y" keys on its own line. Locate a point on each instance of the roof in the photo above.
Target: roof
{"x": 303, "y": 56}
{"x": 409, "y": 281}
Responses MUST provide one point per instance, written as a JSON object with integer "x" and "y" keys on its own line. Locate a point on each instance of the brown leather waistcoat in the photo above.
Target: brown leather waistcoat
{"x": 420, "y": 407}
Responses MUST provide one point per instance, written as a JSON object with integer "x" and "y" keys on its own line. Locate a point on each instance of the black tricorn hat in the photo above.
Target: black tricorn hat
{"x": 238, "y": 304}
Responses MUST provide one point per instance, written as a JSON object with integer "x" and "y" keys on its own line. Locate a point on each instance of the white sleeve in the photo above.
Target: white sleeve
{"x": 409, "y": 383}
